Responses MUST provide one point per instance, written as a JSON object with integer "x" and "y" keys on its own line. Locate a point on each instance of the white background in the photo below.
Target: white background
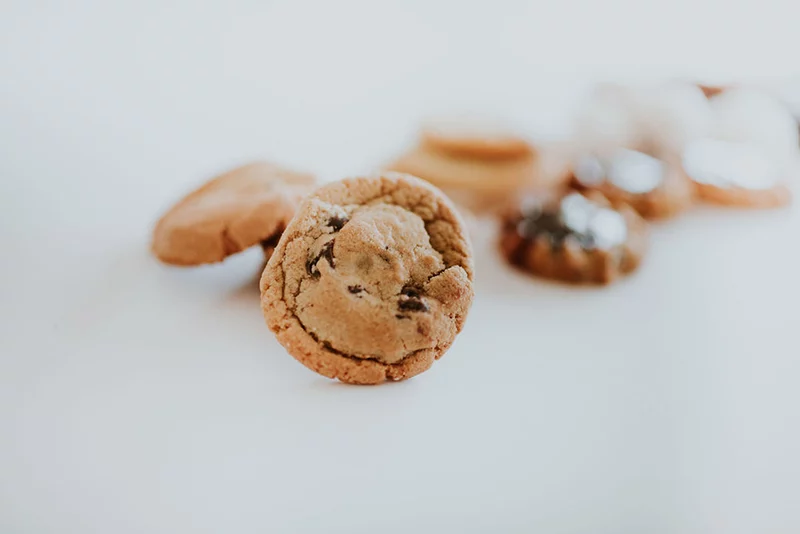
{"x": 139, "y": 398}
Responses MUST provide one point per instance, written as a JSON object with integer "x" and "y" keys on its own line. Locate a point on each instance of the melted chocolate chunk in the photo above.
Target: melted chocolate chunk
{"x": 410, "y": 291}
{"x": 414, "y": 304}
{"x": 547, "y": 223}
{"x": 326, "y": 253}
{"x": 337, "y": 222}
{"x": 590, "y": 225}
{"x": 355, "y": 289}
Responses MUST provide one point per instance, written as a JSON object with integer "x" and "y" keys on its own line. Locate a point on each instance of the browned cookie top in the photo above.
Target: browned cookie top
{"x": 229, "y": 213}
{"x": 371, "y": 280}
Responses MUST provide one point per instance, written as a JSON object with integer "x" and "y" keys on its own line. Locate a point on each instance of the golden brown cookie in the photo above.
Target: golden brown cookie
{"x": 232, "y": 212}
{"x": 576, "y": 237}
{"x": 654, "y": 188}
{"x": 372, "y": 279}
{"x": 472, "y": 139}
{"x": 740, "y": 174}
{"x": 480, "y": 185}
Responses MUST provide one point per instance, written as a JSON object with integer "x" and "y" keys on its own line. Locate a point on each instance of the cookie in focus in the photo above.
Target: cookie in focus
{"x": 237, "y": 210}
{"x": 372, "y": 279}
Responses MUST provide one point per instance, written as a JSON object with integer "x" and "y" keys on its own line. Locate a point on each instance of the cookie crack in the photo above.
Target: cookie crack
{"x": 330, "y": 348}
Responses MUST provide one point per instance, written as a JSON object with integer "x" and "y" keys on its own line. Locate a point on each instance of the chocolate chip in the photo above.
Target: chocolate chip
{"x": 355, "y": 289}
{"x": 398, "y": 316}
{"x": 413, "y": 304}
{"x": 410, "y": 291}
{"x": 547, "y": 223}
{"x": 337, "y": 222}
{"x": 327, "y": 253}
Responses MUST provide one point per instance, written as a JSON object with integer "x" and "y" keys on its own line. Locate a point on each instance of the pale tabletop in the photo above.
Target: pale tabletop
{"x": 139, "y": 398}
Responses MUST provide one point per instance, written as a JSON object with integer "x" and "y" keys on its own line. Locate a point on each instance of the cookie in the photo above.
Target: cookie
{"x": 654, "y": 188}
{"x": 736, "y": 174}
{"x": 749, "y": 155}
{"x": 609, "y": 117}
{"x": 576, "y": 237}
{"x": 461, "y": 137}
{"x": 372, "y": 279}
{"x": 232, "y": 212}
{"x": 749, "y": 115}
{"x": 479, "y": 185}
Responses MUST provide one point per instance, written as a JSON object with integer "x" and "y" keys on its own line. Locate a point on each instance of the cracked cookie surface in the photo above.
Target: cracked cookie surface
{"x": 230, "y": 213}
{"x": 372, "y": 279}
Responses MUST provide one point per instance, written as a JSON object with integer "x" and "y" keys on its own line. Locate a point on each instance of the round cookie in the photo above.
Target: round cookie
{"x": 654, "y": 188}
{"x": 473, "y": 139}
{"x": 372, "y": 279}
{"x": 230, "y": 213}
{"x": 576, "y": 237}
{"x": 736, "y": 174}
{"x": 480, "y": 185}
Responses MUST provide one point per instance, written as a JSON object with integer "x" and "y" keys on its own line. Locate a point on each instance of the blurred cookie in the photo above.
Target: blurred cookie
{"x": 473, "y": 139}
{"x": 481, "y": 185}
{"x": 372, "y": 279}
{"x": 230, "y": 213}
{"x": 752, "y": 116}
{"x": 750, "y": 153}
{"x": 651, "y": 186}
{"x": 736, "y": 174}
{"x": 609, "y": 117}
{"x": 576, "y": 237}
{"x": 673, "y": 114}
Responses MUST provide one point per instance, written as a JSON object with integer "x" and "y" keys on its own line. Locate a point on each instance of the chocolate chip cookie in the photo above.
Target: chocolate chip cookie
{"x": 576, "y": 238}
{"x": 372, "y": 279}
{"x": 230, "y": 213}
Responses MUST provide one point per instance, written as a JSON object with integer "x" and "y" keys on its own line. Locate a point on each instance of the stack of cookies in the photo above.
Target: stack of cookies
{"x": 479, "y": 164}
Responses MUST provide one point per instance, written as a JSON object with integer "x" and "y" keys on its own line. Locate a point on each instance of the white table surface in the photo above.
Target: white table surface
{"x": 139, "y": 398}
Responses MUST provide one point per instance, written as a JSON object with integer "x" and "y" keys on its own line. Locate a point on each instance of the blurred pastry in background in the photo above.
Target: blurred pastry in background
{"x": 750, "y": 154}
{"x": 628, "y": 142}
{"x": 735, "y": 173}
{"x": 609, "y": 118}
{"x": 672, "y": 115}
{"x": 475, "y": 139}
{"x": 574, "y": 237}
{"x": 480, "y": 165}
{"x": 245, "y": 207}
{"x": 655, "y": 188}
